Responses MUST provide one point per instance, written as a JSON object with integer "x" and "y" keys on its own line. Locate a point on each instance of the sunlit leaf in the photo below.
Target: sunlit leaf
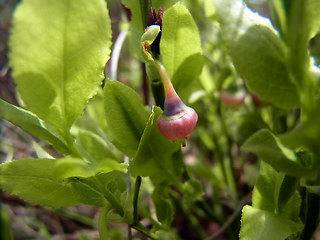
{"x": 58, "y": 52}
{"x": 33, "y": 125}
{"x": 180, "y": 46}
{"x": 266, "y": 194}
{"x": 264, "y": 225}
{"x": 258, "y": 53}
{"x": 100, "y": 189}
{"x": 35, "y": 181}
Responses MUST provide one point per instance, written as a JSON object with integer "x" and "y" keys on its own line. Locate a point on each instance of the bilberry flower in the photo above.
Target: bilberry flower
{"x": 177, "y": 120}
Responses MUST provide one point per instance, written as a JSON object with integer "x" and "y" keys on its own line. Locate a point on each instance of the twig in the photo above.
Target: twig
{"x": 230, "y": 219}
{"x": 135, "y": 199}
{"x": 115, "y": 54}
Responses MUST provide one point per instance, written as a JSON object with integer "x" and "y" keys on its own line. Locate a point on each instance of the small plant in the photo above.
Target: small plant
{"x": 242, "y": 161}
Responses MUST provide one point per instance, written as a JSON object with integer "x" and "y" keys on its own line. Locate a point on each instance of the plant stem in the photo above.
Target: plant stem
{"x": 144, "y": 5}
{"x": 208, "y": 211}
{"x": 139, "y": 227}
{"x": 77, "y": 217}
{"x": 145, "y": 86}
{"x": 102, "y": 222}
{"x": 71, "y": 145}
{"x": 312, "y": 216}
{"x": 168, "y": 87}
{"x": 136, "y": 224}
{"x": 135, "y": 199}
{"x": 156, "y": 84}
{"x": 189, "y": 217}
{"x": 231, "y": 171}
{"x": 219, "y": 157}
{"x": 129, "y": 233}
{"x": 128, "y": 183}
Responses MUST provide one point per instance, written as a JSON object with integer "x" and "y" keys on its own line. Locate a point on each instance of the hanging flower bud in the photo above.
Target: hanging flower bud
{"x": 233, "y": 100}
{"x": 177, "y": 120}
{"x": 256, "y": 100}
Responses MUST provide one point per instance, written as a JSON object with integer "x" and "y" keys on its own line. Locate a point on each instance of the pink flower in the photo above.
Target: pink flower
{"x": 177, "y": 120}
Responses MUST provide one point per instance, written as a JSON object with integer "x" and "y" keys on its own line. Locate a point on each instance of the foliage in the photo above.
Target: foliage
{"x": 109, "y": 152}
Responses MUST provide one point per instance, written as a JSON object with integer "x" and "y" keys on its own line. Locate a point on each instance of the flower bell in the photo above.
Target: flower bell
{"x": 177, "y": 120}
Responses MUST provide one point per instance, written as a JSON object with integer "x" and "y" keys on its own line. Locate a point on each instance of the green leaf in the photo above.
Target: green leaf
{"x": 236, "y": 16}
{"x": 35, "y": 182}
{"x": 258, "y": 53}
{"x": 126, "y": 116}
{"x": 306, "y": 135}
{"x": 41, "y": 153}
{"x": 269, "y": 213}
{"x": 259, "y": 57}
{"x": 313, "y": 8}
{"x": 264, "y": 225}
{"x": 164, "y": 3}
{"x": 180, "y": 45}
{"x": 270, "y": 149}
{"x": 165, "y": 235}
{"x": 33, "y": 125}
{"x": 44, "y": 181}
{"x": 91, "y": 119}
{"x": 93, "y": 148}
{"x": 268, "y": 194}
{"x": 263, "y": 195}
{"x": 137, "y": 25}
{"x": 209, "y": 8}
{"x": 87, "y": 192}
{"x": 155, "y": 156}
{"x": 164, "y": 207}
{"x": 192, "y": 190}
{"x": 75, "y": 167}
{"x": 98, "y": 189}
{"x": 58, "y": 52}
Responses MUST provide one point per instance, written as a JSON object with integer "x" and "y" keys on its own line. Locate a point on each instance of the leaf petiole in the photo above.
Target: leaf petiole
{"x": 102, "y": 222}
